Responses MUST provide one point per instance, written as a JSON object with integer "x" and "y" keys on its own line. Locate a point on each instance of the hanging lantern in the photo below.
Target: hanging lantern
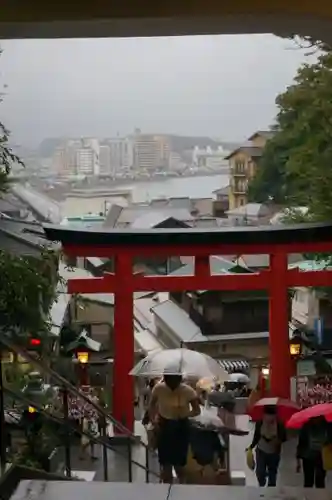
{"x": 82, "y": 357}
{"x": 295, "y": 347}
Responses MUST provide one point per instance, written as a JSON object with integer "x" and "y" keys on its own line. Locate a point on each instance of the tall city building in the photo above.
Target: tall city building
{"x": 151, "y": 152}
{"x": 87, "y": 157}
{"x": 105, "y": 159}
{"x": 121, "y": 153}
{"x": 64, "y": 158}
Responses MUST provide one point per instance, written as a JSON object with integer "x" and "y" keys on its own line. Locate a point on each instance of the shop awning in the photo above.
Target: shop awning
{"x": 234, "y": 365}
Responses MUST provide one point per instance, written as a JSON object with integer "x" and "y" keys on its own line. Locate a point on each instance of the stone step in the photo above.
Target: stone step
{"x": 77, "y": 490}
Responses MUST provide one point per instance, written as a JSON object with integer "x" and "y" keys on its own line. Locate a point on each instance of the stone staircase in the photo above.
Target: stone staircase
{"x": 49, "y": 490}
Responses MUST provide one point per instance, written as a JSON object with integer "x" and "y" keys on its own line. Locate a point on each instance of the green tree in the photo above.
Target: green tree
{"x": 295, "y": 168}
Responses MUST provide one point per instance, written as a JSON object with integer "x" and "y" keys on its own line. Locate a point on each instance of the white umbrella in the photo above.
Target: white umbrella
{"x": 190, "y": 364}
{"x": 239, "y": 377}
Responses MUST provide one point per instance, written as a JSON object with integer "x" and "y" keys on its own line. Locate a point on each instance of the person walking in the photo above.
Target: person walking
{"x": 172, "y": 403}
{"x": 268, "y": 438}
{"x": 89, "y": 426}
{"x": 313, "y": 436}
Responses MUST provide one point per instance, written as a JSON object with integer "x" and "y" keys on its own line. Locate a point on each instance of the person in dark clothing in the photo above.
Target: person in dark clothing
{"x": 268, "y": 438}
{"x": 149, "y": 387}
{"x": 172, "y": 403}
{"x": 312, "y": 438}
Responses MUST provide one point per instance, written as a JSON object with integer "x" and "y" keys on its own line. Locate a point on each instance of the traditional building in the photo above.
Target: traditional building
{"x": 243, "y": 163}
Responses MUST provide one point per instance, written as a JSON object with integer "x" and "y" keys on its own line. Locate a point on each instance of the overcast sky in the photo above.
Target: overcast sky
{"x": 220, "y": 86}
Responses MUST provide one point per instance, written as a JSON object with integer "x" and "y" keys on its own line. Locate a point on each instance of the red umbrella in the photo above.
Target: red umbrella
{"x": 284, "y": 408}
{"x": 302, "y": 417}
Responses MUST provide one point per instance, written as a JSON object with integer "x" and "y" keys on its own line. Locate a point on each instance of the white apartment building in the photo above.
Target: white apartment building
{"x": 77, "y": 157}
{"x": 87, "y": 157}
{"x": 151, "y": 152}
{"x": 121, "y": 153}
{"x": 105, "y": 159}
{"x": 64, "y": 158}
{"x": 85, "y": 161}
{"x": 212, "y": 159}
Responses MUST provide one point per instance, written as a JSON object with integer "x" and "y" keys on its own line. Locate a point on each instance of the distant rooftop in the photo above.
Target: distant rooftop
{"x": 143, "y": 216}
{"x": 252, "y": 151}
{"x": 267, "y": 134}
{"x": 154, "y": 219}
{"x": 43, "y": 207}
{"x": 218, "y": 265}
{"x": 21, "y": 237}
{"x": 84, "y": 221}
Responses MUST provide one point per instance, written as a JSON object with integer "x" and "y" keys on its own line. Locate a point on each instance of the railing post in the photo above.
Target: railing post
{"x": 3, "y": 439}
{"x": 67, "y": 434}
{"x": 130, "y": 460}
{"x": 147, "y": 464}
{"x": 104, "y": 436}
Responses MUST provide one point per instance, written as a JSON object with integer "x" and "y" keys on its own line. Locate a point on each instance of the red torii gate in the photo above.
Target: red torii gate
{"x": 123, "y": 245}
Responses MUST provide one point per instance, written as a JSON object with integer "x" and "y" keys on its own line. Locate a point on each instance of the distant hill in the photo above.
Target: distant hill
{"x": 48, "y": 146}
{"x": 180, "y": 143}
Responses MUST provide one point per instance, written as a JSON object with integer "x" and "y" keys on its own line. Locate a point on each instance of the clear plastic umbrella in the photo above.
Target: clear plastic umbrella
{"x": 190, "y": 364}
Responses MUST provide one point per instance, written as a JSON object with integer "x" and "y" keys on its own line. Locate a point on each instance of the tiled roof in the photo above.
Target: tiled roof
{"x": 45, "y": 208}
{"x": 129, "y": 215}
{"x": 153, "y": 219}
{"x": 57, "y": 312}
{"x": 252, "y": 151}
{"x": 218, "y": 265}
{"x": 21, "y": 237}
{"x": 178, "y": 321}
{"x": 267, "y": 134}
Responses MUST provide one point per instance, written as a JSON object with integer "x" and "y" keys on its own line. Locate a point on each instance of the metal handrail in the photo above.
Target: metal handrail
{"x": 72, "y": 389}
{"x": 71, "y": 427}
{"x": 64, "y": 383}
{"x": 14, "y": 417}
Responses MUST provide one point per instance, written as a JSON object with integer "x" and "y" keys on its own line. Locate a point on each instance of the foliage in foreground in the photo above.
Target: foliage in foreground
{"x": 27, "y": 289}
{"x": 296, "y": 164}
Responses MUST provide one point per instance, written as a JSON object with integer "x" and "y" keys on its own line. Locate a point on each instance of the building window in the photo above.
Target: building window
{"x": 240, "y": 167}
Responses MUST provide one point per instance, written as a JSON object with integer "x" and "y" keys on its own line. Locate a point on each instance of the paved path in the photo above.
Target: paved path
{"x": 287, "y": 471}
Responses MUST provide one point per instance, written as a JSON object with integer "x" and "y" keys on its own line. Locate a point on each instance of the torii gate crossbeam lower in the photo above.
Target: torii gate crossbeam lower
{"x": 123, "y": 246}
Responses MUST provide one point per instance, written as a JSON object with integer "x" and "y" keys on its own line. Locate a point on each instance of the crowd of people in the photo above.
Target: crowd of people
{"x": 171, "y": 403}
